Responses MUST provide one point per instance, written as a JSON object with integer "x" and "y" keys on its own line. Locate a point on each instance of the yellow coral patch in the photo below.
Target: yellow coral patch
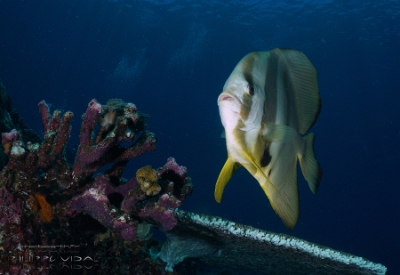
{"x": 7, "y": 147}
{"x": 147, "y": 178}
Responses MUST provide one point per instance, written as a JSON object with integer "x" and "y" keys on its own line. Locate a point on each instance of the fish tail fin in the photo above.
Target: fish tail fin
{"x": 223, "y": 178}
{"x": 309, "y": 165}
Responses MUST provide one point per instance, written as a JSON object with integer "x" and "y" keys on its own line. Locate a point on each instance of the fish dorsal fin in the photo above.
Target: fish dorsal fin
{"x": 224, "y": 176}
{"x": 302, "y": 86}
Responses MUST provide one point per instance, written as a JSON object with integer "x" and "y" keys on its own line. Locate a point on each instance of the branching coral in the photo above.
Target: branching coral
{"x": 135, "y": 205}
{"x": 126, "y": 124}
{"x": 57, "y": 193}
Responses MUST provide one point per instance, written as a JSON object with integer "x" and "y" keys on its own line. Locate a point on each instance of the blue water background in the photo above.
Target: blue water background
{"x": 171, "y": 58}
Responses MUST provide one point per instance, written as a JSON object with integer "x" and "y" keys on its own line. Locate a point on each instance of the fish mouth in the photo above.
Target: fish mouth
{"x": 225, "y": 97}
{"x": 229, "y": 102}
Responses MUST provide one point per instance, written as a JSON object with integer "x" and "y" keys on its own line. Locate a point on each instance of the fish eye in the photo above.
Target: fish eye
{"x": 251, "y": 90}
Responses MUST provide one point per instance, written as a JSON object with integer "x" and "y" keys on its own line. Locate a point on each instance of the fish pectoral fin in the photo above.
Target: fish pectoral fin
{"x": 223, "y": 134}
{"x": 224, "y": 176}
{"x": 278, "y": 133}
{"x": 309, "y": 165}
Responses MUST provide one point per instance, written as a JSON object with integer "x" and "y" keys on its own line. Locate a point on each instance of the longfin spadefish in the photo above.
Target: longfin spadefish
{"x": 224, "y": 176}
{"x": 267, "y": 120}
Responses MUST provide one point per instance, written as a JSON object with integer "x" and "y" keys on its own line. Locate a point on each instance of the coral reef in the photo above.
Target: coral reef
{"x": 10, "y": 219}
{"x": 10, "y": 119}
{"x": 129, "y": 204}
{"x": 47, "y": 201}
{"x": 219, "y": 242}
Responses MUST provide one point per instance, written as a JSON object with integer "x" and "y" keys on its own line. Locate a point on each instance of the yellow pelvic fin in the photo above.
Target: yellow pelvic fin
{"x": 223, "y": 178}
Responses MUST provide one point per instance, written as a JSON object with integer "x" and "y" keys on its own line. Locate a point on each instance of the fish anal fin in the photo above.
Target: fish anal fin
{"x": 224, "y": 176}
{"x": 282, "y": 195}
{"x": 309, "y": 165}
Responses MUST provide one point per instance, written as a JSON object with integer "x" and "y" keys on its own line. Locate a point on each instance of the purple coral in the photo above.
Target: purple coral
{"x": 94, "y": 202}
{"x": 89, "y": 121}
{"x": 56, "y": 131}
{"x": 172, "y": 167}
{"x": 159, "y": 209}
{"x": 10, "y": 137}
{"x": 31, "y": 165}
{"x": 10, "y": 219}
{"x": 126, "y": 229}
{"x": 136, "y": 205}
{"x": 162, "y": 215}
{"x": 12, "y": 144}
{"x": 40, "y": 170}
{"x": 11, "y": 234}
{"x": 122, "y": 126}
{"x": 176, "y": 178}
